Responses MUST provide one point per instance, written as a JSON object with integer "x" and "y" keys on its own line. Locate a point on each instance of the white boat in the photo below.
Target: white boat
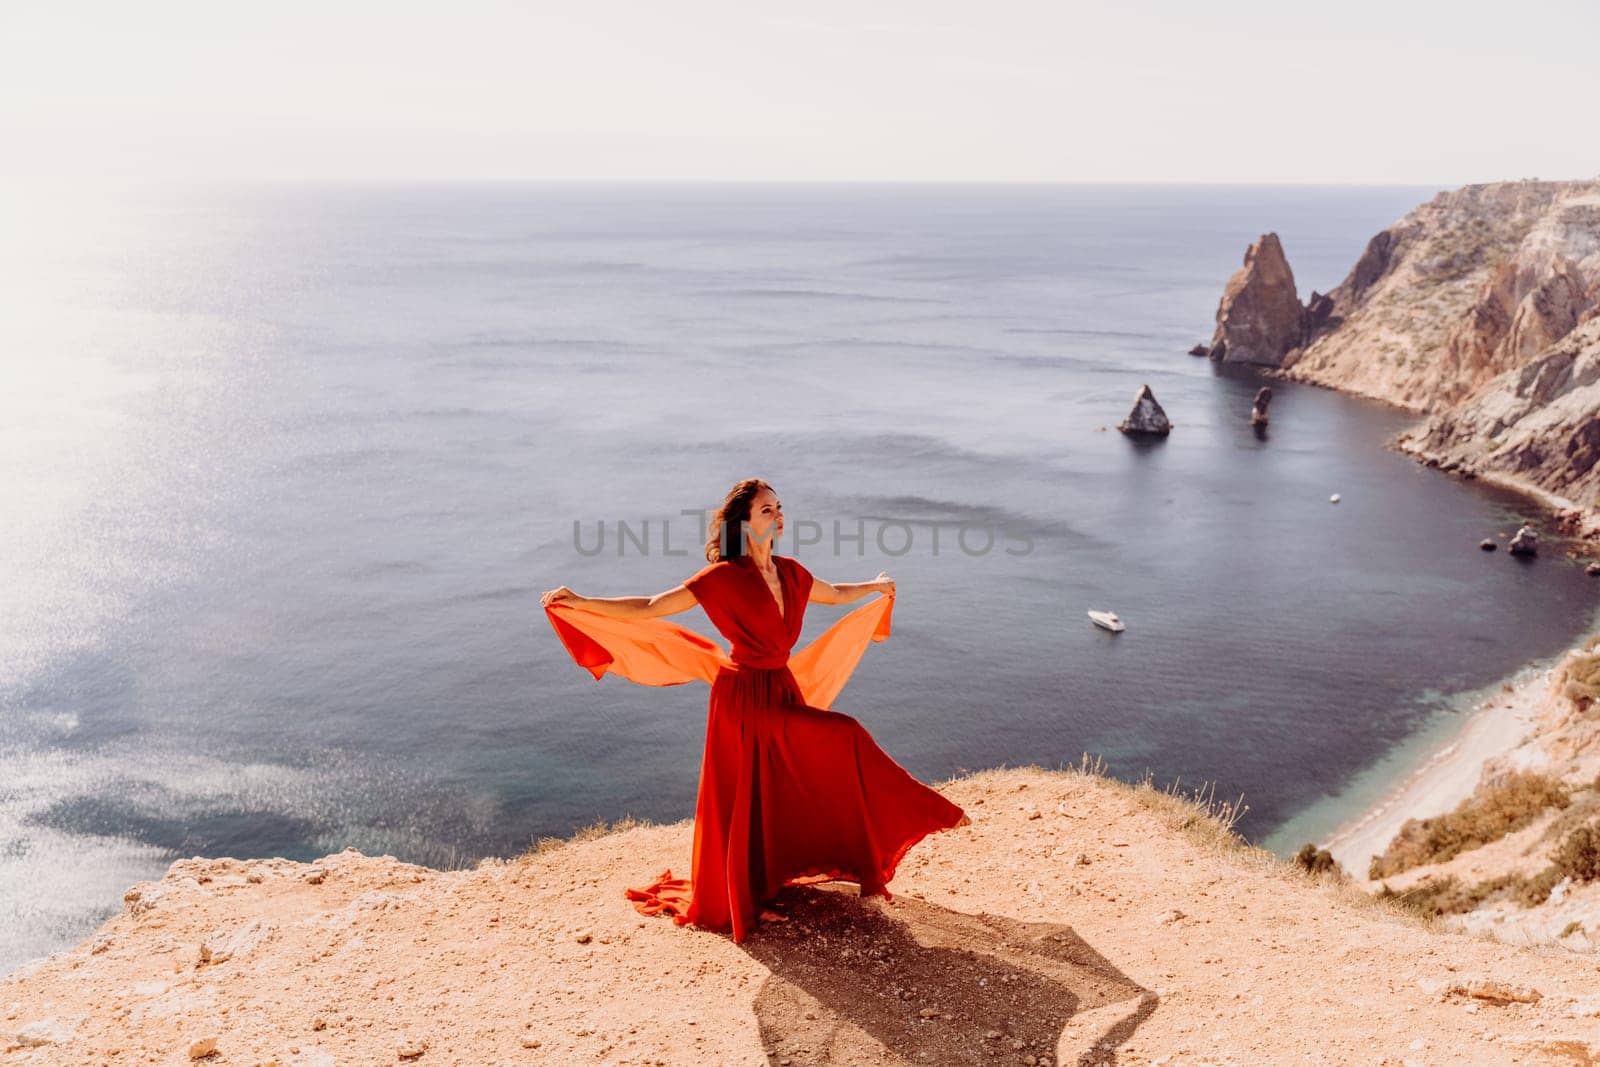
{"x": 1334, "y": 499}
{"x": 1107, "y": 620}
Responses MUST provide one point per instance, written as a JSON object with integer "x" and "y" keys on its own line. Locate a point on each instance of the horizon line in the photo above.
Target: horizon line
{"x": 104, "y": 179}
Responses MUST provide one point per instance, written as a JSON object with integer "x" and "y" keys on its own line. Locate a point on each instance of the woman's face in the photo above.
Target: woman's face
{"x": 766, "y": 518}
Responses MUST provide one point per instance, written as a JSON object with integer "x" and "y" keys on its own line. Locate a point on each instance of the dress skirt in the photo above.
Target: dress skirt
{"x": 790, "y": 794}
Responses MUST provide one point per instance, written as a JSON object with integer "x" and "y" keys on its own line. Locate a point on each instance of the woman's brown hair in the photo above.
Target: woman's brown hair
{"x": 725, "y": 536}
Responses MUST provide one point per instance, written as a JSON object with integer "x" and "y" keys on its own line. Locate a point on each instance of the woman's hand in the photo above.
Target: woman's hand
{"x": 884, "y": 583}
{"x": 563, "y": 595}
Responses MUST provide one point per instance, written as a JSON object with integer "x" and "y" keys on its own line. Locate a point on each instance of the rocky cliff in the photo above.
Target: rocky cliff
{"x": 1535, "y": 426}
{"x": 1077, "y": 920}
{"x": 1469, "y": 285}
{"x": 1479, "y": 310}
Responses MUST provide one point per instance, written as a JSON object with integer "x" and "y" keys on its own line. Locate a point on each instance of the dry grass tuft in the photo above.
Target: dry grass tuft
{"x": 1449, "y": 895}
{"x": 1492, "y": 812}
{"x": 1581, "y": 674}
{"x": 1578, "y": 855}
{"x": 1317, "y": 861}
{"x": 597, "y": 829}
{"x": 1198, "y": 813}
{"x": 1585, "y": 808}
{"x": 1209, "y": 823}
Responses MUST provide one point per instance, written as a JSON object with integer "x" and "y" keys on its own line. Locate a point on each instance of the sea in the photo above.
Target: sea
{"x": 285, "y": 468}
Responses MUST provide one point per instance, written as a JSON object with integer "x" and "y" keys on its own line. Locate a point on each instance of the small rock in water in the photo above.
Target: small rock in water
{"x": 1258, "y": 408}
{"x": 1487, "y": 544}
{"x": 1526, "y": 543}
{"x": 1200, "y": 350}
{"x": 1147, "y": 416}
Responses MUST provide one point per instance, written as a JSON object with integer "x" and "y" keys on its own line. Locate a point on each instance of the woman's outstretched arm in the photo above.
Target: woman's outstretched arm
{"x": 826, "y": 593}
{"x": 674, "y": 600}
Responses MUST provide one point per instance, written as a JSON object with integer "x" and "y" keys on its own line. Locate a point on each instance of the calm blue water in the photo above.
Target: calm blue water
{"x": 286, "y": 469}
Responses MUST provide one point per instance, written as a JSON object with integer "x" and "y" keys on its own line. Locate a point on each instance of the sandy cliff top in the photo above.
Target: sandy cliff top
{"x": 1076, "y": 920}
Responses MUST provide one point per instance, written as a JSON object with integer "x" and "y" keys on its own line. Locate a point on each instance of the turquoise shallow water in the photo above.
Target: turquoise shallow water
{"x": 289, "y": 466}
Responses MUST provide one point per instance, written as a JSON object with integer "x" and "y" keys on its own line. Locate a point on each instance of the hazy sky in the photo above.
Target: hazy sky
{"x": 1356, "y": 91}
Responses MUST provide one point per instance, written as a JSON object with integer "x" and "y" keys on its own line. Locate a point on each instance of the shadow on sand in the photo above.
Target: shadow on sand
{"x": 851, "y": 979}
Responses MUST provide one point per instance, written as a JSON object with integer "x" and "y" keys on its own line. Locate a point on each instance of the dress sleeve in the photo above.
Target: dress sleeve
{"x": 705, "y": 583}
{"x": 804, "y": 579}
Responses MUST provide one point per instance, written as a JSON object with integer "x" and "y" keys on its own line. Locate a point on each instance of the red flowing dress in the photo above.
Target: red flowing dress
{"x": 790, "y": 791}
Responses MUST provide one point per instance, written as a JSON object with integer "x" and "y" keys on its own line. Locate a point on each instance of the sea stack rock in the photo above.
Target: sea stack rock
{"x": 1146, "y": 416}
{"x": 1258, "y": 409}
{"x": 1526, "y": 543}
{"x": 1260, "y": 319}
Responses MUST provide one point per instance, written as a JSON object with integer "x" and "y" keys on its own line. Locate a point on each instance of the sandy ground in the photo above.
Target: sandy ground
{"x": 1447, "y": 778}
{"x": 1075, "y": 921}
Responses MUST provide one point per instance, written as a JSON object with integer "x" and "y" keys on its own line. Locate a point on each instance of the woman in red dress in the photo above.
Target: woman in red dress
{"x": 790, "y": 791}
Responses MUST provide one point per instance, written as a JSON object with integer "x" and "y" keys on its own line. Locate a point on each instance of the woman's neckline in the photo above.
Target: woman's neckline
{"x": 782, "y": 609}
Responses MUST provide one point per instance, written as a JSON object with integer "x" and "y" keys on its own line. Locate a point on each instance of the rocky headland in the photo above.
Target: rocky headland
{"x": 1479, "y": 311}
{"x": 1533, "y": 428}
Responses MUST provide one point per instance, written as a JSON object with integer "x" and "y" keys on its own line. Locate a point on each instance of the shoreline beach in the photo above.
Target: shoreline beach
{"x": 1499, "y": 722}
{"x": 1448, "y": 774}
{"x": 1450, "y": 771}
